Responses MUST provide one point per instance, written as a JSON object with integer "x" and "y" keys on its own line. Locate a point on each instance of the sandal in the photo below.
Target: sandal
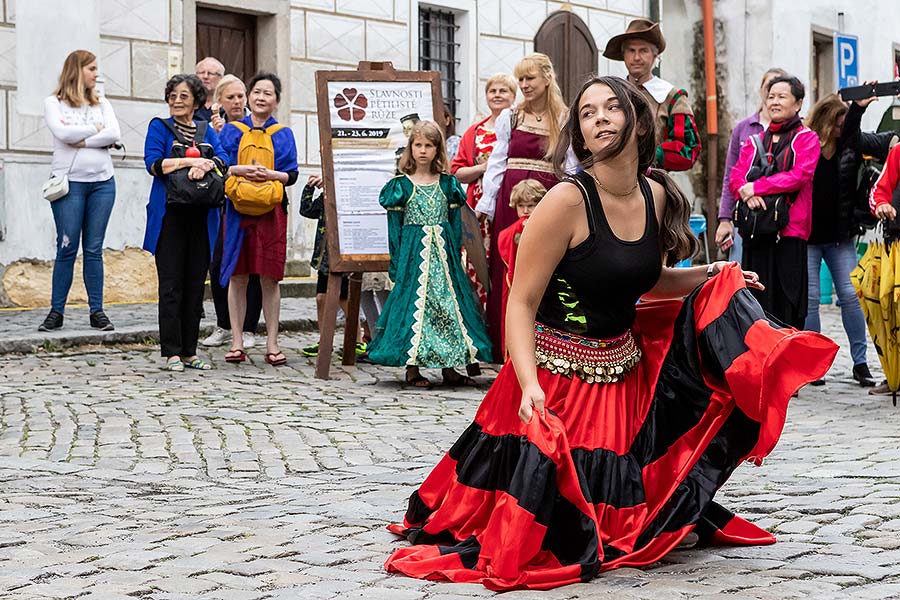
{"x": 176, "y": 366}
{"x": 272, "y": 359}
{"x": 459, "y": 381}
{"x": 198, "y": 363}
{"x": 236, "y": 355}
{"x": 419, "y": 382}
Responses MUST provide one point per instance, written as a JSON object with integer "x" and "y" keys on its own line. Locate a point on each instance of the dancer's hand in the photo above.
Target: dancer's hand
{"x": 532, "y": 399}
{"x": 751, "y": 279}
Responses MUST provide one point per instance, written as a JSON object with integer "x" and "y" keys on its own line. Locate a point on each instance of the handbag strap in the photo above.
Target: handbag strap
{"x": 179, "y": 137}
{"x": 756, "y": 140}
{"x": 72, "y": 164}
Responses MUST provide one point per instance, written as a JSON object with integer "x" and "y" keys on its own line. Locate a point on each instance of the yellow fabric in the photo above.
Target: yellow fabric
{"x": 255, "y": 198}
{"x": 875, "y": 280}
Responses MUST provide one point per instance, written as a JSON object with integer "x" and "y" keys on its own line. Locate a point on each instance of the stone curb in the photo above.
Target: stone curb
{"x": 133, "y": 335}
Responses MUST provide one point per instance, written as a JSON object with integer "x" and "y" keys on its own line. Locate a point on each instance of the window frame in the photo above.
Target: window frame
{"x": 469, "y": 90}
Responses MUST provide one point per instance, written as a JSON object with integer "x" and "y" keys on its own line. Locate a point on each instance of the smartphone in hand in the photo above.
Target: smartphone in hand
{"x": 726, "y": 244}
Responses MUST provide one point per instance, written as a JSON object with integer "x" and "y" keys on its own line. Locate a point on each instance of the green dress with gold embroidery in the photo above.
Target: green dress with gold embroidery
{"x": 431, "y": 317}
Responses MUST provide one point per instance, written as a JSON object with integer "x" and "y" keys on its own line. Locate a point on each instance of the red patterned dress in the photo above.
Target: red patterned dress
{"x": 519, "y": 153}
{"x": 475, "y": 147}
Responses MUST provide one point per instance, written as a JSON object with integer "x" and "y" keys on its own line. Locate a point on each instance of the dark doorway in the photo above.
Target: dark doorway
{"x": 229, "y": 37}
{"x": 568, "y": 42}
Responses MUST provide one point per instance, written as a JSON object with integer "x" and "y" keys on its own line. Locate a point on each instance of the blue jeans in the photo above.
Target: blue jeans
{"x": 81, "y": 216}
{"x": 737, "y": 249}
{"x": 840, "y": 258}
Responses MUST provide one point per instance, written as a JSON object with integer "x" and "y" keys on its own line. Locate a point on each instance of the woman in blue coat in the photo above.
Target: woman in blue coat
{"x": 179, "y": 236}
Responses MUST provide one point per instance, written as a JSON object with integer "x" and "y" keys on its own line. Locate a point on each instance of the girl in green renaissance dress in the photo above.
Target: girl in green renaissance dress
{"x": 431, "y": 317}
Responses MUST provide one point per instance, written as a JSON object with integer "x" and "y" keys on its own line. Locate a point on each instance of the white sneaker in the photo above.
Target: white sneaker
{"x": 249, "y": 340}
{"x": 218, "y": 337}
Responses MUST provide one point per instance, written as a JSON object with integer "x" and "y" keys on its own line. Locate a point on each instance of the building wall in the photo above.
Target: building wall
{"x": 144, "y": 41}
{"x": 754, "y": 35}
{"x": 759, "y": 34}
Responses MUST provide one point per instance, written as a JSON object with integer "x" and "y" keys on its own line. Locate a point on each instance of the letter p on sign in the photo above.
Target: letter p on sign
{"x": 846, "y": 59}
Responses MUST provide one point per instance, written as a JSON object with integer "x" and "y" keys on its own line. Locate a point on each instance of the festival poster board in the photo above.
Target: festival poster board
{"x": 364, "y": 119}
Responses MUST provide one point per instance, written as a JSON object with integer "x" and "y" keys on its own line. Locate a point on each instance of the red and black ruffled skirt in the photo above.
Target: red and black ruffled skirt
{"x": 614, "y": 474}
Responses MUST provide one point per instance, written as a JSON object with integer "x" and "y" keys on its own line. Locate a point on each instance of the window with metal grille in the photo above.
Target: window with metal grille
{"x": 439, "y": 51}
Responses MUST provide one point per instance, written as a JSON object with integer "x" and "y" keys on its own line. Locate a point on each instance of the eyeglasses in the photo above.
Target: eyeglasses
{"x": 184, "y": 97}
{"x": 210, "y": 74}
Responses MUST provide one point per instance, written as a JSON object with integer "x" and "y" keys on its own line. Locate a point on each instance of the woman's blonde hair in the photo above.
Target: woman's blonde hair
{"x": 824, "y": 115}
{"x": 431, "y": 132}
{"x": 504, "y": 79}
{"x": 525, "y": 190}
{"x": 223, "y": 83}
{"x": 71, "y": 88}
{"x": 556, "y": 107}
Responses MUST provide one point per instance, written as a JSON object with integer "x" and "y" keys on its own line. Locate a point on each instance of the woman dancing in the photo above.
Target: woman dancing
{"x": 603, "y": 440}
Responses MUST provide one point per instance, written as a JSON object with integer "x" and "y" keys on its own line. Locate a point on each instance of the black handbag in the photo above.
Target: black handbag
{"x": 751, "y": 222}
{"x": 208, "y": 192}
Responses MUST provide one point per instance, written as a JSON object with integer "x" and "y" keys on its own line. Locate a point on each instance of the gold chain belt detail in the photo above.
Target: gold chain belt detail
{"x": 589, "y": 359}
{"x": 529, "y": 164}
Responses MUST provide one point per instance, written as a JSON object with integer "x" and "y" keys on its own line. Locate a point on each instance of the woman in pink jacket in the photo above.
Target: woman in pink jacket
{"x": 780, "y": 258}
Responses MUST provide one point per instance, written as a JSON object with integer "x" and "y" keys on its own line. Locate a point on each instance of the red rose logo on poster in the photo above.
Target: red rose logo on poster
{"x": 351, "y": 104}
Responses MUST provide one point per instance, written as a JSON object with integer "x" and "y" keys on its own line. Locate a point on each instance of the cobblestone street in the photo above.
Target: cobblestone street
{"x": 120, "y": 480}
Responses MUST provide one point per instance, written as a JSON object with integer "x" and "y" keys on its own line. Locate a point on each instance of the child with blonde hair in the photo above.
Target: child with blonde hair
{"x": 431, "y": 318}
{"x": 523, "y": 197}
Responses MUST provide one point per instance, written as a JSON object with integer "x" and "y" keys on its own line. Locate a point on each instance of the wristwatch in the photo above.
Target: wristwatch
{"x": 709, "y": 270}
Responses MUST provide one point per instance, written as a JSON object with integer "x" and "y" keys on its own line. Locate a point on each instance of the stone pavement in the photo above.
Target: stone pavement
{"x": 135, "y": 324}
{"x": 120, "y": 481}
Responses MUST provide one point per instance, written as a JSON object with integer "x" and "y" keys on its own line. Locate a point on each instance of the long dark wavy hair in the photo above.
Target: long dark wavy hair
{"x": 675, "y": 236}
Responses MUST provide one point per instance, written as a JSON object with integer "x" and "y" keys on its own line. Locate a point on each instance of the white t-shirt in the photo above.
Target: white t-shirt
{"x": 70, "y": 125}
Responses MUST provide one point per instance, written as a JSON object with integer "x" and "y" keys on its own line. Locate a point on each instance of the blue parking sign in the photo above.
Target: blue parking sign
{"x": 846, "y": 60}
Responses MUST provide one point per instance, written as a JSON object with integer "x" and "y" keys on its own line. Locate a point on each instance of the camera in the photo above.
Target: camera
{"x": 861, "y": 92}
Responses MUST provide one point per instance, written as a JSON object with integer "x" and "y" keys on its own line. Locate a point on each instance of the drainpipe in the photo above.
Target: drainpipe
{"x": 712, "y": 126}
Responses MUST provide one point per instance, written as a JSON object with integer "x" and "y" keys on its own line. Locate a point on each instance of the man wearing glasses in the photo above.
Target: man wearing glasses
{"x": 210, "y": 71}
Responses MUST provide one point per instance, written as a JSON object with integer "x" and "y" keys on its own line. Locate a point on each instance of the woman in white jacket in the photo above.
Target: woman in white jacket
{"x": 83, "y": 127}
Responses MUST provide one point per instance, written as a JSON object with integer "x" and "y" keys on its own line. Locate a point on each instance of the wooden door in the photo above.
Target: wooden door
{"x": 229, "y": 37}
{"x": 568, "y": 42}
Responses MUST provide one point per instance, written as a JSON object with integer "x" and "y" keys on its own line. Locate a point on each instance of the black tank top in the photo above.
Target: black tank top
{"x": 595, "y": 287}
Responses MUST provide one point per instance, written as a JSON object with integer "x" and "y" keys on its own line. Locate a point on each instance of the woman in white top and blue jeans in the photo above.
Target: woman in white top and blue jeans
{"x": 83, "y": 127}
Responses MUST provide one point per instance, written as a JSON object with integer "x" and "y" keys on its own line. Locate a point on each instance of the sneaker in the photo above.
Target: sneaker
{"x": 862, "y": 374}
{"x": 361, "y": 351}
{"x": 218, "y": 337}
{"x": 311, "y": 350}
{"x": 249, "y": 339}
{"x": 100, "y": 321}
{"x": 53, "y": 321}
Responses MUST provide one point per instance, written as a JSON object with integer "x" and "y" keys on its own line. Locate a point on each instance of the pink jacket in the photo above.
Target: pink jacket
{"x": 798, "y": 179}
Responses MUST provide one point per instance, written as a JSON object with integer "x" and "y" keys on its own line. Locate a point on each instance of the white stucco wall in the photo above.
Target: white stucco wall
{"x": 325, "y": 34}
{"x": 763, "y": 33}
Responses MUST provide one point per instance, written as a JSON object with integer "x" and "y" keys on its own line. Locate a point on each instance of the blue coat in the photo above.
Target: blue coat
{"x": 157, "y": 146}
{"x": 285, "y": 148}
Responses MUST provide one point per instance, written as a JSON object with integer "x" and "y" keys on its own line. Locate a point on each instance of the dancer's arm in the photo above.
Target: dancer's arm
{"x": 558, "y": 218}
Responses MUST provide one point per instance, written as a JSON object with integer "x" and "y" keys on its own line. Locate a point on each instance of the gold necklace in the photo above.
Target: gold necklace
{"x": 609, "y": 191}
{"x": 539, "y": 117}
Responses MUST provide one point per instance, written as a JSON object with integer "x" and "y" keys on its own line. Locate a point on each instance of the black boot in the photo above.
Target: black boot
{"x": 862, "y": 375}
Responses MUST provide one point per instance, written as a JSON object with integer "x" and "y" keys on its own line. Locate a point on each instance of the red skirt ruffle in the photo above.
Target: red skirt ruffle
{"x": 614, "y": 474}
